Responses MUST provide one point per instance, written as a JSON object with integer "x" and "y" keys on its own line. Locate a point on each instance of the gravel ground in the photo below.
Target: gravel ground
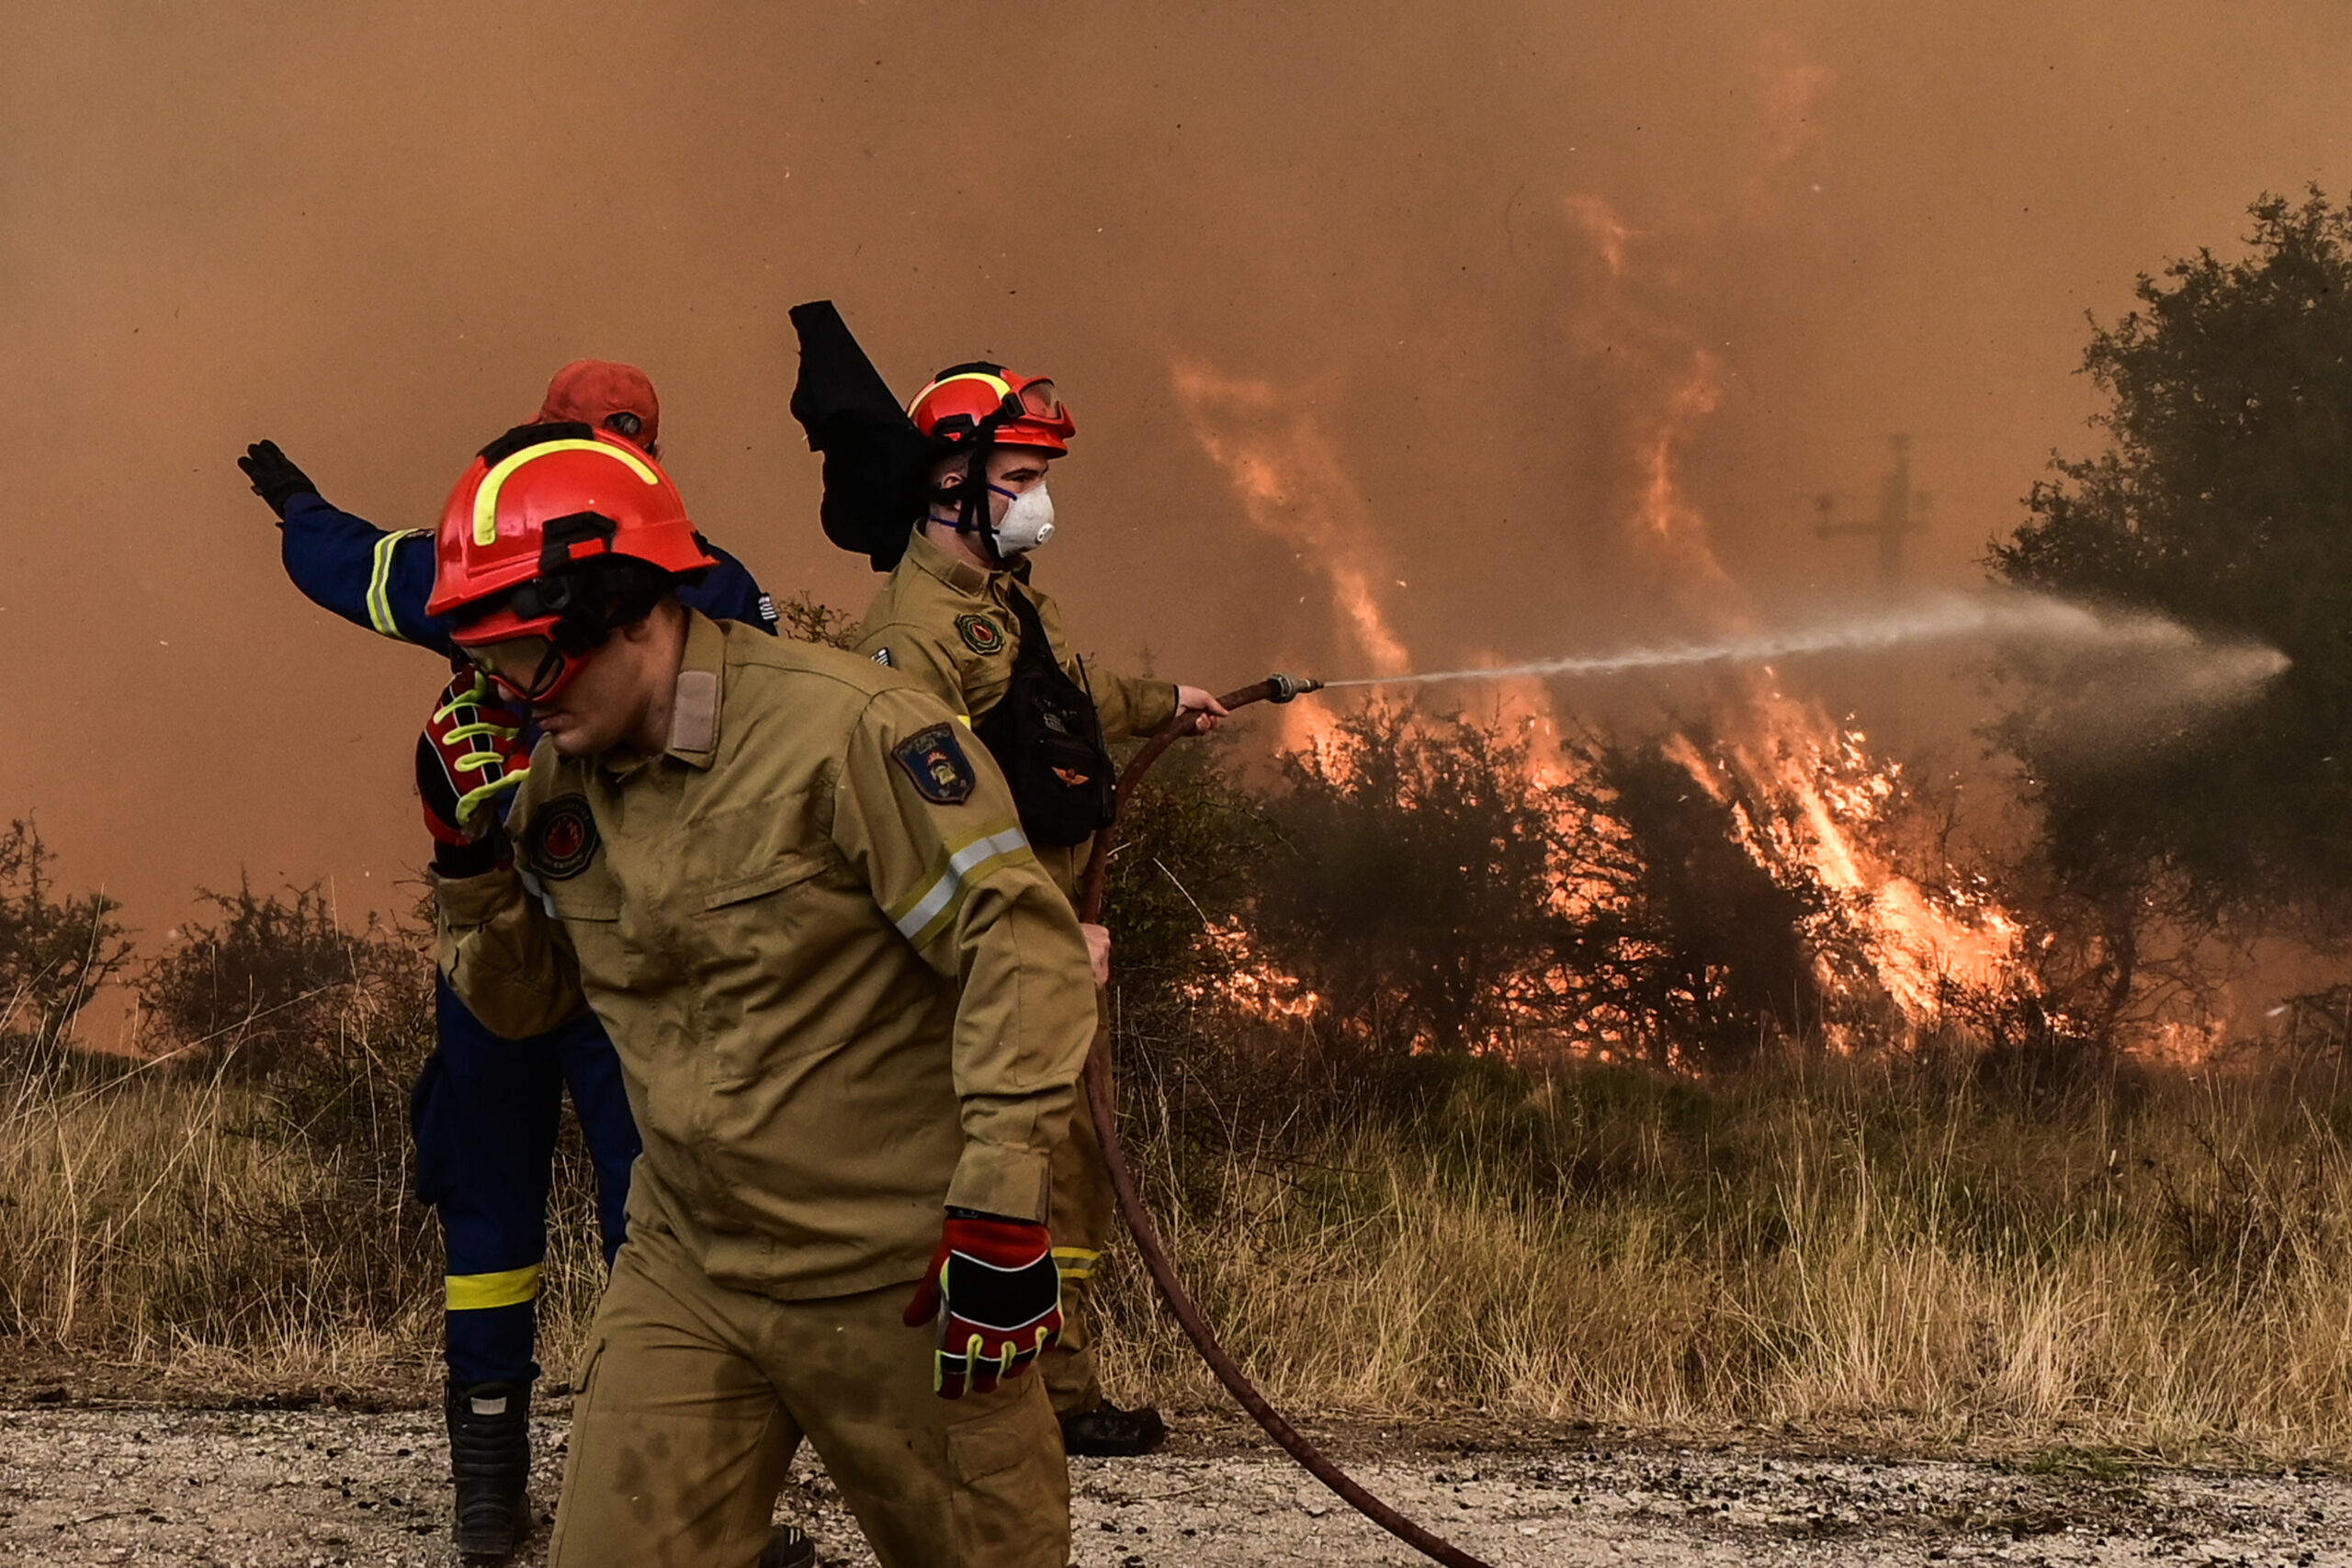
{"x": 306, "y": 1488}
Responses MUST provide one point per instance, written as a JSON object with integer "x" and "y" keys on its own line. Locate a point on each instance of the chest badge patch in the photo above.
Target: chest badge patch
{"x": 936, "y": 765}
{"x": 563, "y": 839}
{"x": 980, "y": 634}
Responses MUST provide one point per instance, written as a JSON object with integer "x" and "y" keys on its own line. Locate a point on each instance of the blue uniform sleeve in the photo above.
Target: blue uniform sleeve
{"x": 370, "y": 578}
{"x": 729, "y": 592}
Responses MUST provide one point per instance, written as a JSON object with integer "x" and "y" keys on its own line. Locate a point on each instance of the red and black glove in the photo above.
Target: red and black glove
{"x": 471, "y": 756}
{"x": 996, "y": 1297}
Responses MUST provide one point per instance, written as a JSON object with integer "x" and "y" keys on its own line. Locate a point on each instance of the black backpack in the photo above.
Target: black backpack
{"x": 1047, "y": 739}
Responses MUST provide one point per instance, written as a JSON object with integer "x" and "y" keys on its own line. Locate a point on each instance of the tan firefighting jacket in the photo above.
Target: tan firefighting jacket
{"x": 949, "y": 625}
{"x": 843, "y": 991}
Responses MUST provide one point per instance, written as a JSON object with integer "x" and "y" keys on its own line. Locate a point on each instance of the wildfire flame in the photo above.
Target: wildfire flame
{"x": 1294, "y": 487}
{"x": 1789, "y": 751}
{"x": 1824, "y": 790}
{"x": 1830, "y": 792}
{"x": 1804, "y": 792}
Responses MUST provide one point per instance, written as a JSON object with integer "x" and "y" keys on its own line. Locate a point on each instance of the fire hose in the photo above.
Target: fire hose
{"x": 1100, "y": 1102}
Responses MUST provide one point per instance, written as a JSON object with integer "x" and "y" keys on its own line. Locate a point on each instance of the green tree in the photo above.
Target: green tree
{"x": 2222, "y": 500}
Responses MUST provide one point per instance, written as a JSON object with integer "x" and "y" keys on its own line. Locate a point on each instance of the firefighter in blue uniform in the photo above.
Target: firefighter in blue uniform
{"x": 486, "y": 1108}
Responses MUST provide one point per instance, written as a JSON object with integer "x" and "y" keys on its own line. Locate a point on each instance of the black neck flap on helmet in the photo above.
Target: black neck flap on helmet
{"x": 877, "y": 465}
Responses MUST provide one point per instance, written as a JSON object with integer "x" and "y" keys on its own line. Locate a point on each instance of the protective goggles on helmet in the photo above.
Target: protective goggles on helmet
{"x": 531, "y": 669}
{"x": 1033, "y": 412}
{"x": 1040, "y": 402}
{"x": 536, "y": 641}
{"x": 971, "y": 399}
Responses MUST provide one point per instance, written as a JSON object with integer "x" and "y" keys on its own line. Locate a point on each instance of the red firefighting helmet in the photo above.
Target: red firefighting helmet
{"x": 543, "y": 500}
{"x": 608, "y": 395}
{"x": 961, "y": 398}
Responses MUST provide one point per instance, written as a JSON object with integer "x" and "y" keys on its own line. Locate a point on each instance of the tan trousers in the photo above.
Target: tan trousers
{"x": 694, "y": 1398}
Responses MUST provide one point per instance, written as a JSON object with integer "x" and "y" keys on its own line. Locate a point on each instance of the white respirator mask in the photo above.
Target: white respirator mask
{"x": 1027, "y": 523}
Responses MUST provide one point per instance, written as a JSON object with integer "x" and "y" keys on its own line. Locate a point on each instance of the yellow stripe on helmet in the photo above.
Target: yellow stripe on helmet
{"x": 998, "y": 384}
{"x": 486, "y": 498}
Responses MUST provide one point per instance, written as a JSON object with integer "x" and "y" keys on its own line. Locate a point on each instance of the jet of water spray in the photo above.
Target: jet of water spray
{"x": 2021, "y": 617}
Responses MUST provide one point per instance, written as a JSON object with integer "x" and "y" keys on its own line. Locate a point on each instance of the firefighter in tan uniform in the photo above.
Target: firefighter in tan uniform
{"x": 850, "y": 1005}
{"x": 961, "y": 615}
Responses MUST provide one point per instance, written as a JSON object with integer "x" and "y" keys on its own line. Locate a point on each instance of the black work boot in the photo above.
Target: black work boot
{"x": 1108, "y": 1432}
{"x": 789, "y": 1546}
{"x": 490, "y": 1459}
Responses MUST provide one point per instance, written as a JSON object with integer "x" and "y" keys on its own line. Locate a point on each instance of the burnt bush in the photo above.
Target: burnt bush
{"x": 804, "y": 618}
{"x": 271, "y": 986}
{"x": 1180, "y": 885}
{"x": 54, "y": 952}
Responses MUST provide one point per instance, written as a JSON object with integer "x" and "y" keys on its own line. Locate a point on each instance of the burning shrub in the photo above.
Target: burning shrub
{"x": 1414, "y": 889}
{"x": 1438, "y": 889}
{"x": 1696, "y": 947}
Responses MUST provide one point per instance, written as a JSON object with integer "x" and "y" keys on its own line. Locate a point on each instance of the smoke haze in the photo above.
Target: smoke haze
{"x": 1448, "y": 334}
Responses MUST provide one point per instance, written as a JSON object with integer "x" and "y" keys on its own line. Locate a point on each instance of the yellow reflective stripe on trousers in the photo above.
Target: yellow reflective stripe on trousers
{"x": 921, "y": 918}
{"x": 512, "y": 1287}
{"x": 379, "y": 583}
{"x": 1075, "y": 1262}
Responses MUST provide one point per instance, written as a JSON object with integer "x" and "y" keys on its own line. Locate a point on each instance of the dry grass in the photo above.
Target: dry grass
{"x": 2160, "y": 1262}
{"x": 203, "y": 1231}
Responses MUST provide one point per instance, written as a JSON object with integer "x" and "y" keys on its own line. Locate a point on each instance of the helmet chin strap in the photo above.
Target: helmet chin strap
{"x": 972, "y": 511}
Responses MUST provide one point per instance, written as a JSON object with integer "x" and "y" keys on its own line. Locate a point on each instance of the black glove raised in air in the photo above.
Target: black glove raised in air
{"x": 276, "y": 478}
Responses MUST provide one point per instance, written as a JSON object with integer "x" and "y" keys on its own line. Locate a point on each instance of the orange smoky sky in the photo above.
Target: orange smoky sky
{"x": 1486, "y": 267}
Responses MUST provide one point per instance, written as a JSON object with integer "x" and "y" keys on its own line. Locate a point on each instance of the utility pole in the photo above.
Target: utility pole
{"x": 1902, "y": 511}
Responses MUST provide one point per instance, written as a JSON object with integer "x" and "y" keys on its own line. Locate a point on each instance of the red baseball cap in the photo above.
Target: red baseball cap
{"x": 606, "y": 394}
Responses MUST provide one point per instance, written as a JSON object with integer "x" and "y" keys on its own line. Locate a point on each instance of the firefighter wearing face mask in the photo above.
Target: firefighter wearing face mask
{"x": 486, "y": 1112}
{"x": 850, "y": 1005}
{"x": 962, "y": 615}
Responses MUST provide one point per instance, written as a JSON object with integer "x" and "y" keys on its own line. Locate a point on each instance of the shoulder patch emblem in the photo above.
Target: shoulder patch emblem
{"x": 980, "y": 634}
{"x": 563, "y": 839}
{"x": 882, "y": 657}
{"x": 936, "y": 765}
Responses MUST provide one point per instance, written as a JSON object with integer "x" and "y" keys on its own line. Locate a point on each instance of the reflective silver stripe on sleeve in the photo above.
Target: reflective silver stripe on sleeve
{"x": 532, "y": 885}
{"x": 941, "y": 894}
{"x": 379, "y": 584}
